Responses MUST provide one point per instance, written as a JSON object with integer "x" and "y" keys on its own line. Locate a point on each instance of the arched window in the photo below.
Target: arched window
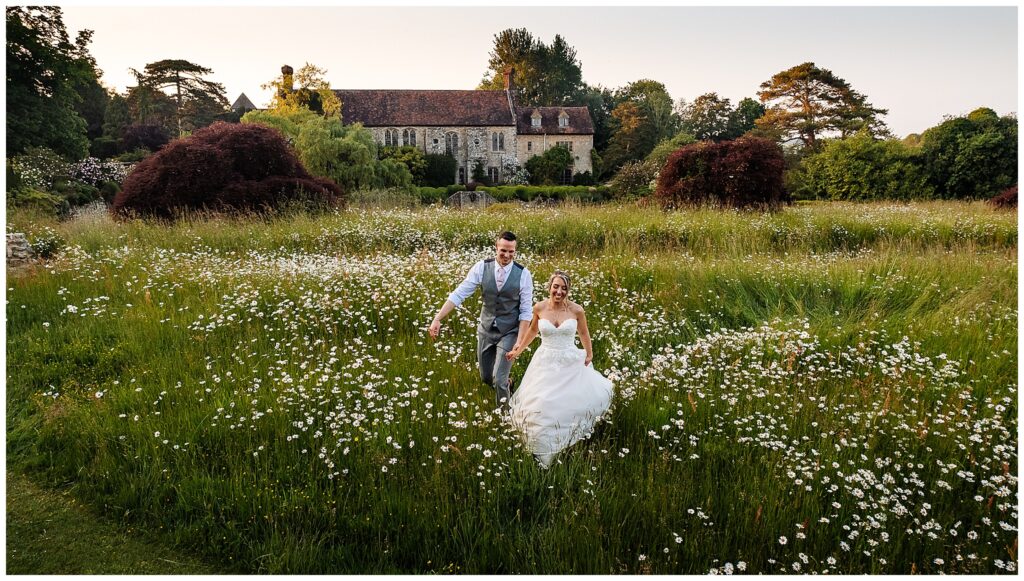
{"x": 390, "y": 138}
{"x": 494, "y": 142}
{"x": 451, "y": 143}
{"x": 409, "y": 137}
{"x": 501, "y": 142}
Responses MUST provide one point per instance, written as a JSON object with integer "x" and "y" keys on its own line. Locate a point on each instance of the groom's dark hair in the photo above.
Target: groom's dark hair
{"x": 506, "y": 235}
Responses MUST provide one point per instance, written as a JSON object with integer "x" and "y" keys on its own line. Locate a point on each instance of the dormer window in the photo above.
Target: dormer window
{"x": 563, "y": 119}
{"x": 535, "y": 119}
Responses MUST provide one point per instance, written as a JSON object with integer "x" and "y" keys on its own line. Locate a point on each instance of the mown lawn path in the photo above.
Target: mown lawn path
{"x": 49, "y": 532}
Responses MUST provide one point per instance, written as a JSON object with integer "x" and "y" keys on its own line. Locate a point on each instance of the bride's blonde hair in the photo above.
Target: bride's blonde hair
{"x": 563, "y": 276}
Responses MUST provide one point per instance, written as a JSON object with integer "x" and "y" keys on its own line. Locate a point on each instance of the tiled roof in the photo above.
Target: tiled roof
{"x": 243, "y": 102}
{"x": 579, "y": 121}
{"x": 398, "y": 108}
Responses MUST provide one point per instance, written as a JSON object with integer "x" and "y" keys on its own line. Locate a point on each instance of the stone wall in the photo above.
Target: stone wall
{"x": 18, "y": 249}
{"x": 531, "y": 145}
{"x": 475, "y": 143}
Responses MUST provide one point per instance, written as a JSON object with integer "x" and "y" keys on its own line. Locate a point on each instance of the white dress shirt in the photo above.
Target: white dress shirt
{"x": 476, "y": 276}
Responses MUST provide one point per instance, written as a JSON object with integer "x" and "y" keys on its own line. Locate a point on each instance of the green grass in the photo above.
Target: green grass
{"x": 262, "y": 394}
{"x": 50, "y": 533}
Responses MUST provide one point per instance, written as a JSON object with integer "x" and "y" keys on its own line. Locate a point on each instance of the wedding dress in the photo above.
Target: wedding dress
{"x": 559, "y": 398}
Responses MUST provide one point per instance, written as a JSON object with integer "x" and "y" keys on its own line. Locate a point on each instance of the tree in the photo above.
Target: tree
{"x": 600, "y": 102}
{"x": 149, "y": 106}
{"x": 44, "y": 70}
{"x": 194, "y": 96}
{"x": 973, "y": 156}
{"x": 544, "y": 75}
{"x": 656, "y": 105}
{"x": 346, "y": 154}
{"x": 806, "y": 102}
{"x": 708, "y": 117}
{"x": 549, "y": 168}
{"x": 861, "y": 168}
{"x": 744, "y": 117}
{"x": 313, "y": 93}
{"x": 411, "y": 157}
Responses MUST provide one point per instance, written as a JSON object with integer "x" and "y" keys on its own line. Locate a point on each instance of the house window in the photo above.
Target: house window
{"x": 529, "y": 146}
{"x": 492, "y": 174}
{"x": 565, "y": 144}
{"x": 501, "y": 142}
{"x": 535, "y": 119}
{"x": 566, "y": 177}
{"x": 451, "y": 143}
{"x": 497, "y": 141}
{"x": 462, "y": 175}
{"x": 409, "y": 137}
{"x": 390, "y": 138}
{"x": 563, "y": 120}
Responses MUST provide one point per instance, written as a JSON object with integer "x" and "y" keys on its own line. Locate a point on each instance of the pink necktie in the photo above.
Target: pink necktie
{"x": 501, "y": 278}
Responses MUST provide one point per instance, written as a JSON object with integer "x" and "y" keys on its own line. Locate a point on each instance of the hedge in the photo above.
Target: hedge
{"x": 523, "y": 193}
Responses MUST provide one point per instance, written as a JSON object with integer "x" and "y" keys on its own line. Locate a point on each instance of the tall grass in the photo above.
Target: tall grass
{"x": 828, "y": 388}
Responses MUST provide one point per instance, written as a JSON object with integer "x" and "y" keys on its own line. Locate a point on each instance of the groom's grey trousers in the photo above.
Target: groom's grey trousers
{"x": 498, "y": 329}
{"x": 494, "y": 368}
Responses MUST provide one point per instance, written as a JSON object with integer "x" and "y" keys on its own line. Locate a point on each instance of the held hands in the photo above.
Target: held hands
{"x": 511, "y": 355}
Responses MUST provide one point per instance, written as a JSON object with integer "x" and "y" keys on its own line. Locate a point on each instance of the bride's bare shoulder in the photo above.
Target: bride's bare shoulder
{"x": 575, "y": 308}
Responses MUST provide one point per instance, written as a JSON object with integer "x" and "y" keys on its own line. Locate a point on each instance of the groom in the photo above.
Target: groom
{"x": 505, "y": 315}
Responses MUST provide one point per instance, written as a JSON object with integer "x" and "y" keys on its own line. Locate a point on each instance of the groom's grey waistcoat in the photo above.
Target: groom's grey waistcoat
{"x": 500, "y": 311}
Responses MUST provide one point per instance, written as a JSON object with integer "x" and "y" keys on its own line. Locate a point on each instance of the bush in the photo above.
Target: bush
{"x": 583, "y": 179}
{"x": 1007, "y": 200}
{"x": 549, "y": 167}
{"x": 746, "y": 172}
{"x": 104, "y": 147}
{"x": 659, "y": 155}
{"x": 860, "y": 168}
{"x": 43, "y": 202}
{"x": 223, "y": 166}
{"x": 139, "y": 136}
{"x": 440, "y": 170}
{"x": 39, "y": 168}
{"x": 133, "y": 156}
{"x": 972, "y": 157}
{"x": 411, "y": 157}
{"x": 109, "y": 191}
{"x": 76, "y": 193}
{"x": 541, "y": 193}
{"x": 634, "y": 180}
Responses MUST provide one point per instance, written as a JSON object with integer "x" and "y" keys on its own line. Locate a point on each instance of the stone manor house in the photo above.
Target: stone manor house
{"x": 471, "y": 126}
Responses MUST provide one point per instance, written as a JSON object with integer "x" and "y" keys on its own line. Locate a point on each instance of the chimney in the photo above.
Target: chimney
{"x": 509, "y": 71}
{"x": 286, "y": 79}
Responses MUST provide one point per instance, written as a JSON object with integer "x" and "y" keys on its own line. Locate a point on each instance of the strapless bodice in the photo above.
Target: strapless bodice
{"x": 561, "y": 337}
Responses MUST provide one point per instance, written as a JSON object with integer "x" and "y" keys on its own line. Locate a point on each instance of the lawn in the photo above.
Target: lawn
{"x": 830, "y": 388}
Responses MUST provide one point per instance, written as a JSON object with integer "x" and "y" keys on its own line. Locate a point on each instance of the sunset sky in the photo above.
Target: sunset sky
{"x": 920, "y": 63}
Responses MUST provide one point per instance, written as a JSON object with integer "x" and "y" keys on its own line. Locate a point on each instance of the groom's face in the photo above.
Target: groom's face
{"x": 506, "y": 251}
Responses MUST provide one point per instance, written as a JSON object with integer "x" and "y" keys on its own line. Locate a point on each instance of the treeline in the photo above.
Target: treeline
{"x": 835, "y": 144}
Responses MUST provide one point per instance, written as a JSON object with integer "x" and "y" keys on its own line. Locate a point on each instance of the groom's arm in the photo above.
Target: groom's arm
{"x": 460, "y": 294}
{"x": 525, "y": 304}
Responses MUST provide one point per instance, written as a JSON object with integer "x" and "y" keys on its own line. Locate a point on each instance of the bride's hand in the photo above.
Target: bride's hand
{"x": 512, "y": 354}
{"x": 590, "y": 357}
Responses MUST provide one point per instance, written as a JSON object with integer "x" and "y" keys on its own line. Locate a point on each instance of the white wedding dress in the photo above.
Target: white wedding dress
{"x": 559, "y": 398}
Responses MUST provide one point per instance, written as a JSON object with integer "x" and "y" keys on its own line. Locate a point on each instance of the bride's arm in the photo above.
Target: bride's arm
{"x": 531, "y": 334}
{"x": 581, "y": 326}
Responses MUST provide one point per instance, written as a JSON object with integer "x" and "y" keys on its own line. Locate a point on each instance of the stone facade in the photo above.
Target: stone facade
{"x": 488, "y": 145}
{"x": 488, "y": 126}
{"x": 580, "y": 146}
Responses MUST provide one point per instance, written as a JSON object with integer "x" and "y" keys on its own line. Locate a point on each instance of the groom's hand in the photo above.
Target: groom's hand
{"x": 435, "y": 328}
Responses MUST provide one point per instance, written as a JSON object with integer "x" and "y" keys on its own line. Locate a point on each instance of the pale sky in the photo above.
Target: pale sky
{"x": 918, "y": 62}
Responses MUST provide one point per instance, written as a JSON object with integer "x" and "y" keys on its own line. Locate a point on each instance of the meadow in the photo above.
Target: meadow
{"x": 831, "y": 388}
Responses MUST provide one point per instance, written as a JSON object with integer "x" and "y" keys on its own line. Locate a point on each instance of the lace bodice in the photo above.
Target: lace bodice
{"x": 560, "y": 337}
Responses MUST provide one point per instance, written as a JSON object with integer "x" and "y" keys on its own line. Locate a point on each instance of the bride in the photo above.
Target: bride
{"x": 561, "y": 396}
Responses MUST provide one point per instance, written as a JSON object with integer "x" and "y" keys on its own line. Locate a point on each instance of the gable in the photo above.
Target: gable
{"x": 579, "y": 121}
{"x": 424, "y": 108}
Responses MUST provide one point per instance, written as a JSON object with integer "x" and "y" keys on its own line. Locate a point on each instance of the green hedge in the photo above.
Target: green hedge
{"x": 523, "y": 193}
